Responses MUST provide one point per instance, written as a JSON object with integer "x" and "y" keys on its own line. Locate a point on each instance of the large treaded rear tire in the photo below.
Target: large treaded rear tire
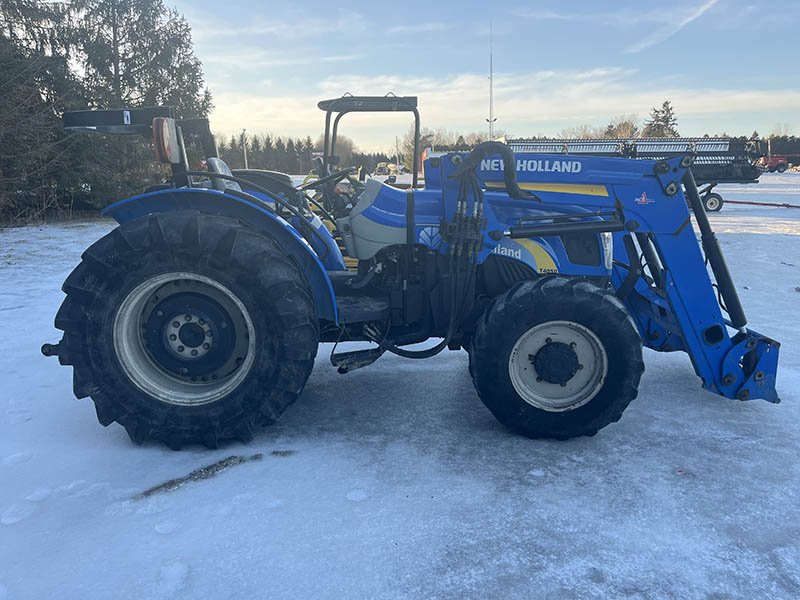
{"x": 554, "y": 299}
{"x": 256, "y": 271}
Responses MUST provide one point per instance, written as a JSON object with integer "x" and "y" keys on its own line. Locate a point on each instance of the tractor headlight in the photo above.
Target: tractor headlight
{"x": 607, "y": 240}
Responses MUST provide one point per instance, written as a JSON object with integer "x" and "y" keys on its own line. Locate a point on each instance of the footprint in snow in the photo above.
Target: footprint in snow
{"x": 92, "y": 489}
{"x": 39, "y": 495}
{"x": 73, "y": 487}
{"x": 357, "y": 495}
{"x": 16, "y": 513}
{"x": 173, "y": 577}
{"x": 123, "y": 508}
{"x": 19, "y": 415}
{"x": 18, "y": 458}
{"x": 166, "y": 527}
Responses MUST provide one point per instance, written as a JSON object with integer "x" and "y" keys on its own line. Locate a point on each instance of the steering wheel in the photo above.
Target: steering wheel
{"x": 331, "y": 179}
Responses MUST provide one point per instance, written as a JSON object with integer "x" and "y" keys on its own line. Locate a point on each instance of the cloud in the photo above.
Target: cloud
{"x": 302, "y": 28}
{"x": 546, "y": 15}
{"x": 248, "y": 59}
{"x": 671, "y": 29}
{"x": 669, "y": 22}
{"x": 420, "y": 28}
{"x": 525, "y": 104}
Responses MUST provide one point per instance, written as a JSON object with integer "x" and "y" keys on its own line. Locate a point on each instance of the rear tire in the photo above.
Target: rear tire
{"x": 780, "y": 168}
{"x": 556, "y": 358}
{"x": 186, "y": 328}
{"x": 712, "y": 202}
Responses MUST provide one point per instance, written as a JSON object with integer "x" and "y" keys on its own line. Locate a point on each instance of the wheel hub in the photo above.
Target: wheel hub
{"x": 184, "y": 338}
{"x": 188, "y": 336}
{"x": 556, "y": 362}
{"x": 558, "y": 365}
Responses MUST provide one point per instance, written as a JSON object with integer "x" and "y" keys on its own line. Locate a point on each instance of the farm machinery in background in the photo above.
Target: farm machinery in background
{"x": 717, "y": 160}
{"x": 200, "y": 316}
{"x": 778, "y": 162}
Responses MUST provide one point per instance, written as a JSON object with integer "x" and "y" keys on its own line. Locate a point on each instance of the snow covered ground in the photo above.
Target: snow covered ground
{"x": 395, "y": 482}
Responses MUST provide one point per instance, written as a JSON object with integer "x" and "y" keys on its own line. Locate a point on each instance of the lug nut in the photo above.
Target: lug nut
{"x": 580, "y": 367}
{"x": 188, "y": 317}
{"x": 194, "y": 352}
{"x": 573, "y": 345}
{"x": 208, "y": 333}
{"x": 548, "y": 340}
{"x": 201, "y": 322}
{"x": 173, "y": 337}
{"x": 181, "y": 348}
{"x": 176, "y": 324}
{"x": 206, "y": 346}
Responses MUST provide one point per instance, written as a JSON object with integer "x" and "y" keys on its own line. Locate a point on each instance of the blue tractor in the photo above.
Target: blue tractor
{"x": 199, "y": 317}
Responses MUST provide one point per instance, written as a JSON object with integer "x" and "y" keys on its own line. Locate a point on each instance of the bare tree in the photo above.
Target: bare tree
{"x": 623, "y": 126}
{"x": 582, "y": 131}
{"x": 781, "y": 130}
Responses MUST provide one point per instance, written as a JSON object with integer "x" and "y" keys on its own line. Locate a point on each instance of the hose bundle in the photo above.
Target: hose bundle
{"x": 465, "y": 239}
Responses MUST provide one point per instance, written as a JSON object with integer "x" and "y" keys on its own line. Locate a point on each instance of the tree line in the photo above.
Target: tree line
{"x": 57, "y": 56}
{"x": 288, "y": 155}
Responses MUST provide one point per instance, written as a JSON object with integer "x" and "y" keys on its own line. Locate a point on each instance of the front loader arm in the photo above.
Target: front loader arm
{"x": 677, "y": 307}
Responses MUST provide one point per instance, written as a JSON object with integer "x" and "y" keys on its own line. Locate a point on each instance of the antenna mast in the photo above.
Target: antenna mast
{"x": 491, "y": 118}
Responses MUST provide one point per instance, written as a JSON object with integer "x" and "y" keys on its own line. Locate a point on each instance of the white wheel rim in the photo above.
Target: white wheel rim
{"x": 712, "y": 204}
{"x": 154, "y": 380}
{"x": 581, "y": 388}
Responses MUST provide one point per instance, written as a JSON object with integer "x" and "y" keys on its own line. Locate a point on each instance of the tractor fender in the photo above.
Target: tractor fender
{"x": 256, "y": 216}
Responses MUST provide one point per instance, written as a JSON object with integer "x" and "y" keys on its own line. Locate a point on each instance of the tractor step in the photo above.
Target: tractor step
{"x": 355, "y": 305}
{"x": 350, "y": 361}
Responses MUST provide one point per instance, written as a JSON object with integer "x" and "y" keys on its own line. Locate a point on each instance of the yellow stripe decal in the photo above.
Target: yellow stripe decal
{"x": 565, "y": 188}
{"x": 544, "y": 262}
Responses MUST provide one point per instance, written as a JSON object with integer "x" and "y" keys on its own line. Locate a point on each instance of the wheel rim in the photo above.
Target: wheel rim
{"x": 184, "y": 338}
{"x": 712, "y": 203}
{"x": 558, "y": 366}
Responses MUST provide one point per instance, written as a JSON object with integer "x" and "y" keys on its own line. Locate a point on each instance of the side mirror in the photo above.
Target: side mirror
{"x": 165, "y": 139}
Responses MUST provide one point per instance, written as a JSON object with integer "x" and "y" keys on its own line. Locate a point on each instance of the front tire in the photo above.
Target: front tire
{"x": 188, "y": 328}
{"x": 556, "y": 358}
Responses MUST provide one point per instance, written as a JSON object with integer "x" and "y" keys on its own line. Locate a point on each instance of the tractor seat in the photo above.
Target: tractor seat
{"x": 217, "y": 165}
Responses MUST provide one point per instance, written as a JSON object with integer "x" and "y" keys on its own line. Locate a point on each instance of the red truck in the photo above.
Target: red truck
{"x": 778, "y": 162}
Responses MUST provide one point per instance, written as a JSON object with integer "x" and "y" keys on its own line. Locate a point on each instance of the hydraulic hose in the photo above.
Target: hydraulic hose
{"x": 485, "y": 150}
{"x": 465, "y": 239}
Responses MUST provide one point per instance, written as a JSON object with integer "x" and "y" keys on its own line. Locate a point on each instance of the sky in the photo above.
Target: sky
{"x": 728, "y": 66}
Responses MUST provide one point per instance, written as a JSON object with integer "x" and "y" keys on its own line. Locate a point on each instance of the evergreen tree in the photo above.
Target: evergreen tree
{"x": 662, "y": 122}
{"x": 139, "y": 53}
{"x": 268, "y": 152}
{"x": 291, "y": 157}
{"x": 280, "y": 156}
